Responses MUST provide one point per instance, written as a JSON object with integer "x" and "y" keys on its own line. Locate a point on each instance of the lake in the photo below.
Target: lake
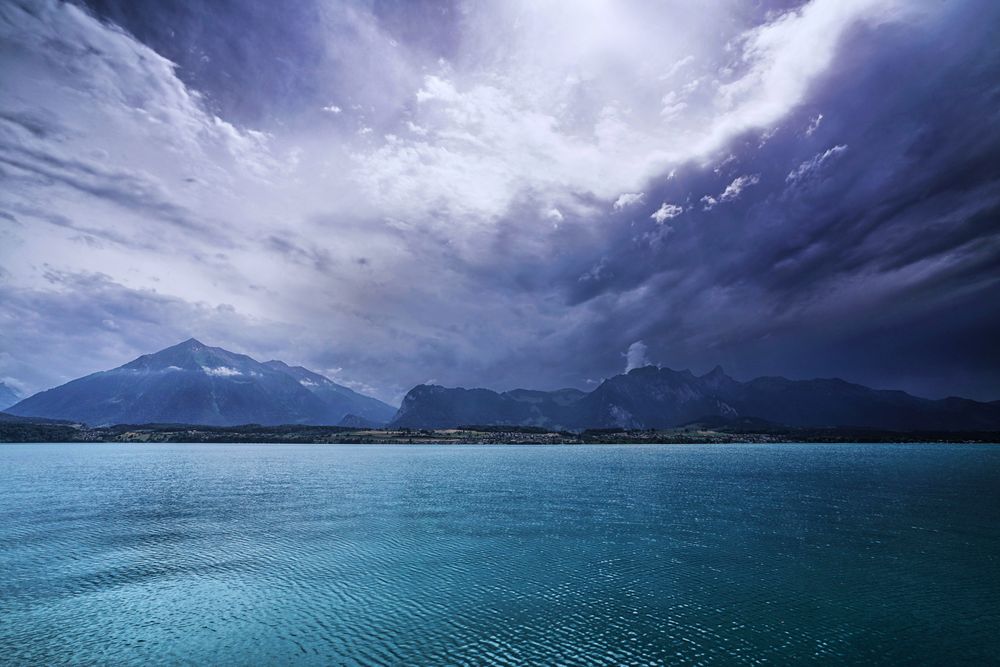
{"x": 434, "y": 555}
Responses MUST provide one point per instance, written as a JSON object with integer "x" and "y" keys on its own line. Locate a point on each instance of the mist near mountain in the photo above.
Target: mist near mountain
{"x": 8, "y": 396}
{"x": 363, "y": 409}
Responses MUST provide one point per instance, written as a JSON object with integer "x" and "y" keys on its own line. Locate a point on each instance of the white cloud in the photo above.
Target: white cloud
{"x": 814, "y": 124}
{"x": 739, "y": 184}
{"x": 107, "y": 131}
{"x": 597, "y": 273}
{"x": 782, "y": 58}
{"x": 221, "y": 371}
{"x": 103, "y": 71}
{"x": 15, "y": 384}
{"x": 677, "y": 67}
{"x": 416, "y": 129}
{"x": 724, "y": 163}
{"x": 731, "y": 192}
{"x": 333, "y": 108}
{"x": 815, "y": 162}
{"x": 666, "y": 212}
{"x": 672, "y": 105}
{"x": 488, "y": 150}
{"x": 635, "y": 356}
{"x": 556, "y": 117}
{"x": 436, "y": 88}
{"x": 627, "y": 199}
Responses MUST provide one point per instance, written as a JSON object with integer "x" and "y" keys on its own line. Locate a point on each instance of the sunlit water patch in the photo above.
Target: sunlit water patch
{"x": 371, "y": 555}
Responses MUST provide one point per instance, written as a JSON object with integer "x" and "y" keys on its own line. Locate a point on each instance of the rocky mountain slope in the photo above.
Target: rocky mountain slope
{"x": 192, "y": 383}
{"x": 652, "y": 397}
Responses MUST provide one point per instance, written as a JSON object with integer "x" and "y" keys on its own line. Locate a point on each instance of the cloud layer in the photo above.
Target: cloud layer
{"x": 504, "y": 194}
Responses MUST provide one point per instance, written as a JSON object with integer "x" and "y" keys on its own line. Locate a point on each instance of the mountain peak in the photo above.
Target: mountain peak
{"x": 190, "y": 354}
{"x": 715, "y": 373}
{"x": 658, "y": 372}
{"x": 644, "y": 370}
{"x": 193, "y": 383}
{"x": 717, "y": 380}
{"x": 652, "y": 397}
{"x": 189, "y": 345}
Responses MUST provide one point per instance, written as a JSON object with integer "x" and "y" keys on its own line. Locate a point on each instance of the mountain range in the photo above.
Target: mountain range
{"x": 652, "y": 397}
{"x": 192, "y": 383}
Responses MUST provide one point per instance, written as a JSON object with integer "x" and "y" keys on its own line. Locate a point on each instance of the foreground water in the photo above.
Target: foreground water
{"x": 414, "y": 555}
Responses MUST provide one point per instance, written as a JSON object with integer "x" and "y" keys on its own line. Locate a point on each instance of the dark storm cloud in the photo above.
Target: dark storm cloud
{"x": 825, "y": 260}
{"x": 506, "y": 194}
{"x": 248, "y": 56}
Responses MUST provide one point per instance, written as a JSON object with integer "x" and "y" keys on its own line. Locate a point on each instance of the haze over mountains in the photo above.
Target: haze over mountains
{"x": 8, "y": 396}
{"x": 192, "y": 383}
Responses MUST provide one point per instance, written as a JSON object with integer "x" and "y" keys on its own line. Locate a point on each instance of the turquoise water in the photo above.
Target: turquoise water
{"x": 423, "y": 555}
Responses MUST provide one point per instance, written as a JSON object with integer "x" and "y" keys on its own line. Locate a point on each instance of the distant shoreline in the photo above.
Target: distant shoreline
{"x": 29, "y": 432}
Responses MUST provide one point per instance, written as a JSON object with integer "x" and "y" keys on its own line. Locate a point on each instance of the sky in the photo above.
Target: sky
{"x": 505, "y": 194}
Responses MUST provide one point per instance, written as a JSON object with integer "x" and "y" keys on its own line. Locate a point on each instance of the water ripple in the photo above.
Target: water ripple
{"x": 192, "y": 554}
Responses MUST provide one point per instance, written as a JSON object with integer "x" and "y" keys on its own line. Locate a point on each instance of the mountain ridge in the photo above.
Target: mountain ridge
{"x": 651, "y": 397}
{"x": 194, "y": 383}
{"x": 368, "y": 409}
